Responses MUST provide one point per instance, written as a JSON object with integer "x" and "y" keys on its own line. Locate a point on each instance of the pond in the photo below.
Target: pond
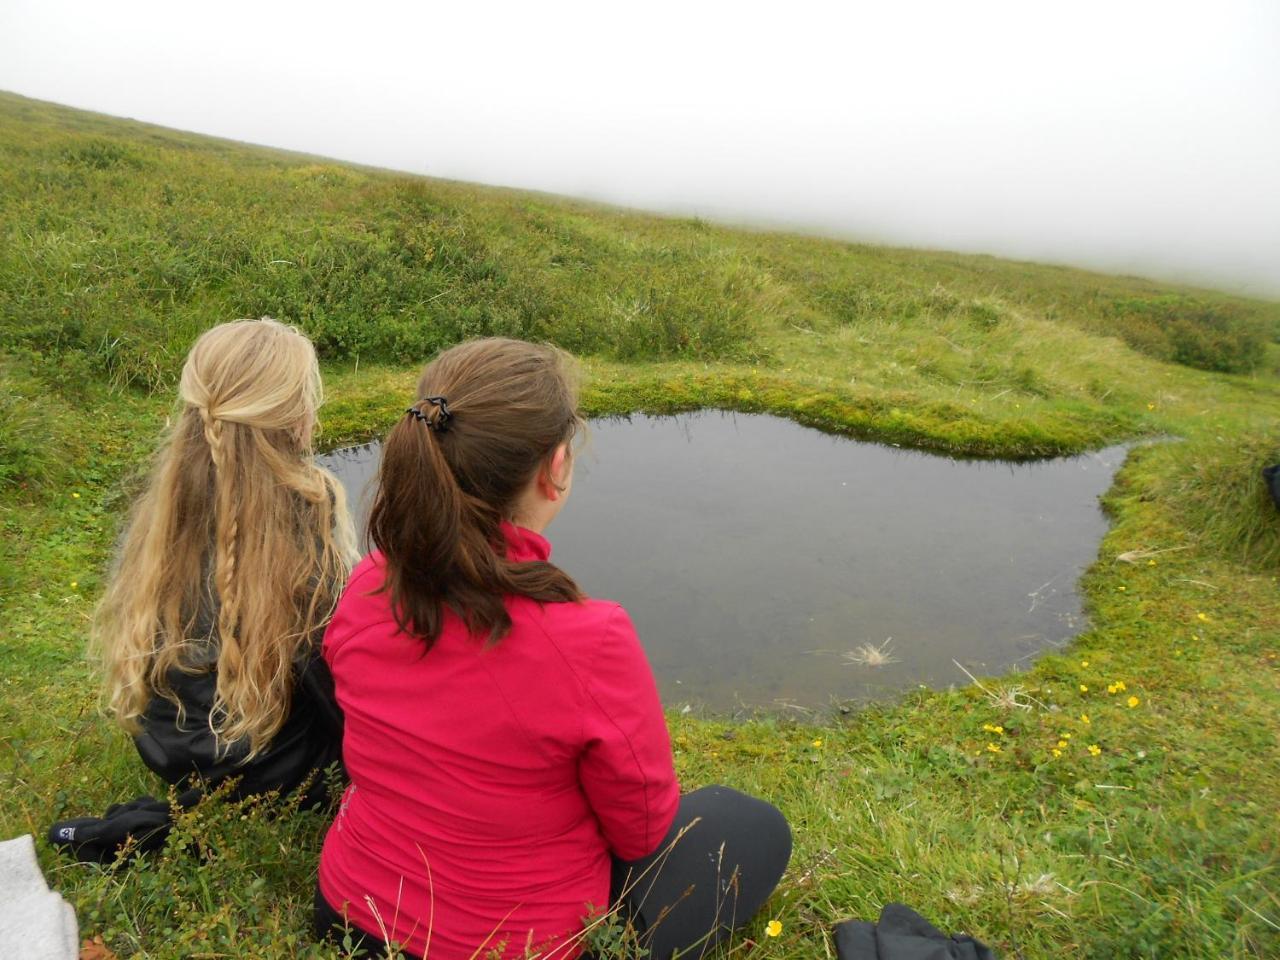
{"x": 768, "y": 565}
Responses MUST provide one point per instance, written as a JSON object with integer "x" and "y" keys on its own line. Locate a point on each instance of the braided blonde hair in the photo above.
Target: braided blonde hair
{"x": 239, "y": 519}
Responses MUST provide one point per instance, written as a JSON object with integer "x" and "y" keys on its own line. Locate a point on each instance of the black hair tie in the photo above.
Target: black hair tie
{"x": 441, "y": 421}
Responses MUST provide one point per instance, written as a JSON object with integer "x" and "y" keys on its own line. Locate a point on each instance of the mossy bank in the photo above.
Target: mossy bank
{"x": 1118, "y": 799}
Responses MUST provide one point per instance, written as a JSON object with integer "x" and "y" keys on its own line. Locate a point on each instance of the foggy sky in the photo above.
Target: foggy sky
{"x": 1137, "y": 136}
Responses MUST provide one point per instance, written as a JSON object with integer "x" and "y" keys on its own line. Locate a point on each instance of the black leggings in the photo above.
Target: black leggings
{"x": 722, "y": 858}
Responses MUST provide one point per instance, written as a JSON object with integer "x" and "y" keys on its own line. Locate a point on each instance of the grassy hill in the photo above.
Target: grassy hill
{"x": 120, "y": 241}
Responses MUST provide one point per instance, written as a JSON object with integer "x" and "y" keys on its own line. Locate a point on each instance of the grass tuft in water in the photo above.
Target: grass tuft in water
{"x": 871, "y": 655}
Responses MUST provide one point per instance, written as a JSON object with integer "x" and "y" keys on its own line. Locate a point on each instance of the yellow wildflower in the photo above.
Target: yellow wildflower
{"x": 1121, "y": 587}
{"x": 1084, "y": 718}
{"x": 1084, "y": 688}
{"x": 1203, "y": 617}
{"x": 1056, "y": 752}
{"x": 1065, "y": 736}
{"x": 818, "y": 742}
{"x": 993, "y": 728}
{"x": 1094, "y": 749}
{"x": 1120, "y": 685}
{"x": 1084, "y": 663}
{"x": 1151, "y": 406}
{"x": 773, "y": 928}
{"x": 1151, "y": 563}
{"x": 1062, "y": 744}
{"x": 994, "y": 747}
{"x": 75, "y": 584}
{"x": 1133, "y": 701}
{"x": 76, "y": 495}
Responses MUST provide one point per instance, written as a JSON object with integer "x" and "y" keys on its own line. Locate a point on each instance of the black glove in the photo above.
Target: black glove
{"x": 100, "y": 839}
{"x": 902, "y": 934}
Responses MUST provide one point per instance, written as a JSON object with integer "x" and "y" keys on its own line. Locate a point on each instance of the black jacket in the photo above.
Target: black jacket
{"x": 183, "y": 752}
{"x": 180, "y": 746}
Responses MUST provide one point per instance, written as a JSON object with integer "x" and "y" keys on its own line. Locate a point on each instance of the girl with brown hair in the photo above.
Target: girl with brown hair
{"x": 230, "y": 567}
{"x": 511, "y": 771}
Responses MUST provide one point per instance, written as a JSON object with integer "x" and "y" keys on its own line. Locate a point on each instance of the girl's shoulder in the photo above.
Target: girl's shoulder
{"x": 371, "y": 563}
{"x": 362, "y": 604}
{"x": 366, "y": 578}
{"x": 579, "y": 628}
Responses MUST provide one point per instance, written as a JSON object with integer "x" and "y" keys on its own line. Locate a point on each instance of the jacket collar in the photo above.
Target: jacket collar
{"x": 524, "y": 545}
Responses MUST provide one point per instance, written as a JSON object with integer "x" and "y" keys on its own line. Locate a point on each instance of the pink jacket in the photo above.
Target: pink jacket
{"x": 491, "y": 784}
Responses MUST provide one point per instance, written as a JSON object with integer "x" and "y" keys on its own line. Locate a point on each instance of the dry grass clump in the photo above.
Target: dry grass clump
{"x": 871, "y": 655}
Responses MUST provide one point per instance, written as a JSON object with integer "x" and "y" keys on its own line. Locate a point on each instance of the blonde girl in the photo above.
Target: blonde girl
{"x": 230, "y": 567}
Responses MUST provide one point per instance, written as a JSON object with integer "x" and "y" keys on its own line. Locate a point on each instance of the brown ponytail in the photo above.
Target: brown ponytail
{"x": 451, "y": 474}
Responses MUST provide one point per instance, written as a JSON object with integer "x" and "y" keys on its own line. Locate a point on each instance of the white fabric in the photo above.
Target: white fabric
{"x": 35, "y": 922}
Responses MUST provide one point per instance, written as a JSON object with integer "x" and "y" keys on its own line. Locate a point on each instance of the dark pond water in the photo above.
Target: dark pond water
{"x": 765, "y": 564}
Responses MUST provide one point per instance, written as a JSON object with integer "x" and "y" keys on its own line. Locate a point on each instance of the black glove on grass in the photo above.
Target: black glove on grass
{"x": 902, "y": 934}
{"x": 99, "y": 839}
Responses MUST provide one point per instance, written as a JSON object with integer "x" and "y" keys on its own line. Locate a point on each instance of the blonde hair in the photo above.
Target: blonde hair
{"x": 237, "y": 519}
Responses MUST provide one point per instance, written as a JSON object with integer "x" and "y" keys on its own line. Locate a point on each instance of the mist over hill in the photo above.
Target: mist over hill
{"x": 124, "y": 240}
{"x": 1136, "y": 138}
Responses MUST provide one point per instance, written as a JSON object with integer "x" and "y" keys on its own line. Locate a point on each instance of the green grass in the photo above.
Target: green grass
{"x": 122, "y": 241}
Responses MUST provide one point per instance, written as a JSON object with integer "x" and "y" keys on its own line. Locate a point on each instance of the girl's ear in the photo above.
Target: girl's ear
{"x": 550, "y": 479}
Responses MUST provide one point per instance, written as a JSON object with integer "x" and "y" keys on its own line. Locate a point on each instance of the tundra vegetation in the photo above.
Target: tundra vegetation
{"x": 1116, "y": 799}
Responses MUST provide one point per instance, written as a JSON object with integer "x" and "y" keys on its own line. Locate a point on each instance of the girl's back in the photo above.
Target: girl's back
{"x": 491, "y": 782}
{"x": 231, "y": 563}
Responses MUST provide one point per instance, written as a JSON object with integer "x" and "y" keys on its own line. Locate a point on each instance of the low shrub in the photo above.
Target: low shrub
{"x": 1196, "y": 333}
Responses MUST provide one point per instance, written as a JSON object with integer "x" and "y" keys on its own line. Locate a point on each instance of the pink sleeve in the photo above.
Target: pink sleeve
{"x": 626, "y": 767}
